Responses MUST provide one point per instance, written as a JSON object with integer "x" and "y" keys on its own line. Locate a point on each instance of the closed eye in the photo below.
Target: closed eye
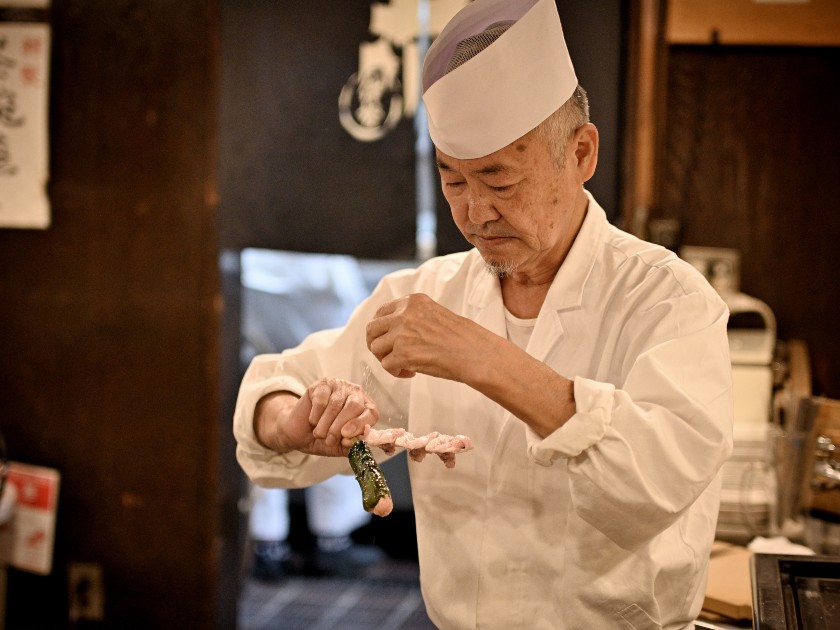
{"x": 505, "y": 192}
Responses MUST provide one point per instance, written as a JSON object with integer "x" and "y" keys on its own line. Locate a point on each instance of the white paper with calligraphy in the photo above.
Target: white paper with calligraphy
{"x": 24, "y": 138}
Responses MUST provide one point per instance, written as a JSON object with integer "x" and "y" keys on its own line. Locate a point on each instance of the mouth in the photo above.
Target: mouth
{"x": 490, "y": 238}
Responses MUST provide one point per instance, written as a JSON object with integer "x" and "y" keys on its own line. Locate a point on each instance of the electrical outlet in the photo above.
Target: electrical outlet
{"x": 720, "y": 265}
{"x": 86, "y": 591}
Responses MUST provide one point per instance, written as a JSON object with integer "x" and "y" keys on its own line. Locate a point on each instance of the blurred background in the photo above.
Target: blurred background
{"x": 183, "y": 135}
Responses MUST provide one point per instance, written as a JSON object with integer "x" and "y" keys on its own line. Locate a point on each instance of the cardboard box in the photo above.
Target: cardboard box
{"x": 728, "y": 591}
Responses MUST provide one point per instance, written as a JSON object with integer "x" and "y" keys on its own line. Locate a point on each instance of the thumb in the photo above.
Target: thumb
{"x": 304, "y": 406}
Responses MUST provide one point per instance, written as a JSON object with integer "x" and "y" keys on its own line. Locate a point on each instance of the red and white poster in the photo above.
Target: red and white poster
{"x": 30, "y": 534}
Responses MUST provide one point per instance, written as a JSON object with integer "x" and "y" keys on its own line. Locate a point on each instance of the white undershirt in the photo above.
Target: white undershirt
{"x": 519, "y": 330}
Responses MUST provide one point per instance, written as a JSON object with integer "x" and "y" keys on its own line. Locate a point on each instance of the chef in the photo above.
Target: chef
{"x": 589, "y": 368}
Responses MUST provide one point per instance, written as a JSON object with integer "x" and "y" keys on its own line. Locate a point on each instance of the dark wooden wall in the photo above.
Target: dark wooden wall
{"x": 751, "y": 162}
{"x": 109, "y": 320}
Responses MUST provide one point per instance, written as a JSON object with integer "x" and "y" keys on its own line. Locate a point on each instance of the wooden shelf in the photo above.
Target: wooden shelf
{"x": 754, "y": 22}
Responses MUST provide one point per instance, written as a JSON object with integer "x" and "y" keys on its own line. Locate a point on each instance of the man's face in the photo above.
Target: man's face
{"x": 516, "y": 206}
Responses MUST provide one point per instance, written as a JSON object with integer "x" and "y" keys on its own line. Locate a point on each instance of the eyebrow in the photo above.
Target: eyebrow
{"x": 490, "y": 169}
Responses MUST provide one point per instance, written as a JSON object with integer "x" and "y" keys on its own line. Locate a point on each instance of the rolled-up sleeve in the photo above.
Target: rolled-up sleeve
{"x": 262, "y": 465}
{"x": 594, "y": 402}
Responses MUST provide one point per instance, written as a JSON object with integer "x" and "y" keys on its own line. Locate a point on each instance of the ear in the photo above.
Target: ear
{"x": 585, "y": 145}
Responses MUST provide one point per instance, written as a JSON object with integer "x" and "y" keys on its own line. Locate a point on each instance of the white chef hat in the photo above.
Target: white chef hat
{"x": 505, "y": 90}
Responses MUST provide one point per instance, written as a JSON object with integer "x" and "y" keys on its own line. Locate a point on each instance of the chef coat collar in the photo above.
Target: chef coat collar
{"x": 566, "y": 290}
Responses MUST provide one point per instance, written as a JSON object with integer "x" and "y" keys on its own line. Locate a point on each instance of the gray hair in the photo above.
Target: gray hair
{"x": 557, "y": 129}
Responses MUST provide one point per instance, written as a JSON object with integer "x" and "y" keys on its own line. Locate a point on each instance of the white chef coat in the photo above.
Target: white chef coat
{"x": 605, "y": 523}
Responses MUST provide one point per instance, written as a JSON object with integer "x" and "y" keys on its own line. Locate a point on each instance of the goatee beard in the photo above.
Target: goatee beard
{"x": 500, "y": 268}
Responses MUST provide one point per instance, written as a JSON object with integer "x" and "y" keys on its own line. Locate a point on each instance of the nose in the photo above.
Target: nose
{"x": 480, "y": 209}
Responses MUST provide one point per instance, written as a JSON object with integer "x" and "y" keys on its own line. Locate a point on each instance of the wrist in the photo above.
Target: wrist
{"x": 269, "y": 415}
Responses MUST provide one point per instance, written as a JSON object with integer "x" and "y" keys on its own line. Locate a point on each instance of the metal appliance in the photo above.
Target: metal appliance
{"x": 748, "y": 497}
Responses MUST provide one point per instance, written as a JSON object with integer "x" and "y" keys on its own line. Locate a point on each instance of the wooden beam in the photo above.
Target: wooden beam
{"x": 644, "y": 80}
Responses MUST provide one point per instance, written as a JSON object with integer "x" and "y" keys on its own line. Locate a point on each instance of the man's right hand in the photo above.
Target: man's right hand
{"x": 326, "y": 420}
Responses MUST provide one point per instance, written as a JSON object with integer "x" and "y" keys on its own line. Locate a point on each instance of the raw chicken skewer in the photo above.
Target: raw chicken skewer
{"x": 442, "y": 445}
{"x": 376, "y": 496}
{"x": 384, "y": 439}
